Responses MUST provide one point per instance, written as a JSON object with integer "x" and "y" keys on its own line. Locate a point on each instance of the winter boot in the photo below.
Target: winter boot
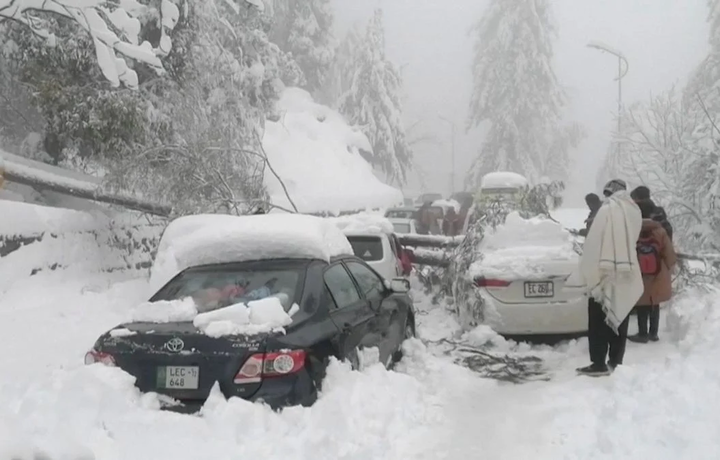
{"x": 654, "y": 338}
{"x": 594, "y": 370}
{"x": 639, "y": 338}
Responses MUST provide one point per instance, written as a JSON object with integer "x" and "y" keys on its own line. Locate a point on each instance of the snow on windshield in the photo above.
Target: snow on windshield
{"x": 524, "y": 248}
{"x": 213, "y": 239}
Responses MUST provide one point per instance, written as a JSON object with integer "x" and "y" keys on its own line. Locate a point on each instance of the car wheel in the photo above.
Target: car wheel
{"x": 409, "y": 334}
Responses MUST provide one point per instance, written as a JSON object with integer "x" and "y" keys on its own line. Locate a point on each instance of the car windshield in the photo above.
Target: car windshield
{"x": 219, "y": 288}
{"x": 401, "y": 228}
{"x": 368, "y": 248}
{"x": 399, "y": 214}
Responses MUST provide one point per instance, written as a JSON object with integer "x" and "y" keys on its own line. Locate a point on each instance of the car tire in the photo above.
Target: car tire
{"x": 409, "y": 334}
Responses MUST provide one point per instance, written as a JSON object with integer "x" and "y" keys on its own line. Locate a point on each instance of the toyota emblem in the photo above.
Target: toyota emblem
{"x": 175, "y": 345}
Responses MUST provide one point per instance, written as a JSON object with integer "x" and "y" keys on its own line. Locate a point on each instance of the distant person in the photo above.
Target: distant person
{"x": 642, "y": 193}
{"x": 657, "y": 258}
{"x": 423, "y": 219}
{"x": 609, "y": 272}
{"x": 593, "y": 203}
{"x": 451, "y": 222}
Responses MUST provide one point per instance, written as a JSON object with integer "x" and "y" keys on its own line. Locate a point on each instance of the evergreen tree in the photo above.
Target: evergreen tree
{"x": 517, "y": 93}
{"x": 303, "y": 28}
{"x": 372, "y": 101}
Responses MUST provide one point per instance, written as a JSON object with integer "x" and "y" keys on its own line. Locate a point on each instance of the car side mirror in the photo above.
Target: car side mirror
{"x": 400, "y": 286}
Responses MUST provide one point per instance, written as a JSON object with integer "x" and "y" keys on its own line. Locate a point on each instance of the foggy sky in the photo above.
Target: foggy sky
{"x": 429, "y": 39}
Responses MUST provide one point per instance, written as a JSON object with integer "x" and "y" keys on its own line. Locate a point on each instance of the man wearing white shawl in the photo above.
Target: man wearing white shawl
{"x": 610, "y": 273}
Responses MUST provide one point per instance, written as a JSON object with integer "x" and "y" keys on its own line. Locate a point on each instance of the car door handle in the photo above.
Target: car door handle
{"x": 346, "y": 328}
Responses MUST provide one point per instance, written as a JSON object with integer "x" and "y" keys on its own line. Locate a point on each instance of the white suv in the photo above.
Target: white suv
{"x": 379, "y": 250}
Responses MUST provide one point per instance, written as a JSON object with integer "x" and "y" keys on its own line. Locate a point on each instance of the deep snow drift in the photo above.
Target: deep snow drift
{"x": 316, "y": 154}
{"x": 661, "y": 405}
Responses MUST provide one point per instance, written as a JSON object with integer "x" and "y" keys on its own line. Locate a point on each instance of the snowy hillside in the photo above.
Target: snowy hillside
{"x": 316, "y": 155}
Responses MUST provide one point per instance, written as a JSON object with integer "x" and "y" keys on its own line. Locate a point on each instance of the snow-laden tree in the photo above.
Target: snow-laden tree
{"x": 372, "y": 101}
{"x": 303, "y": 28}
{"x": 516, "y": 93}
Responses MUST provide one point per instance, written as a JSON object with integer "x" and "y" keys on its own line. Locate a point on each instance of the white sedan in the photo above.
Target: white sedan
{"x": 521, "y": 280}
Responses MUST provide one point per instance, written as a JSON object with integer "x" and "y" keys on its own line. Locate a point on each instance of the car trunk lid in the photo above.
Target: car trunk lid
{"x": 177, "y": 360}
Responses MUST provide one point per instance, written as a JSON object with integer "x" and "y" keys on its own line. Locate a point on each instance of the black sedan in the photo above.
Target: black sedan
{"x": 341, "y": 308}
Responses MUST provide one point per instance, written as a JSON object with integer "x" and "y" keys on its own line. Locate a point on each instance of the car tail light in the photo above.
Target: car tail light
{"x": 491, "y": 282}
{"x": 268, "y": 365}
{"x": 93, "y": 356}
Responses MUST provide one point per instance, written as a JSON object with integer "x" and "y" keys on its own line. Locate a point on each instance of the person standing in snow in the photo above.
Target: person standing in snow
{"x": 656, "y": 257}
{"x": 609, "y": 272}
{"x": 642, "y": 194}
{"x": 593, "y": 202}
{"x": 450, "y": 223}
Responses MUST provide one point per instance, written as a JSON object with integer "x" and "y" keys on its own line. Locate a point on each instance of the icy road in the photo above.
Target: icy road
{"x": 661, "y": 405}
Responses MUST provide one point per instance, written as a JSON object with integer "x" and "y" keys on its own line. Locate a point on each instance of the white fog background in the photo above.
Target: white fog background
{"x": 663, "y": 41}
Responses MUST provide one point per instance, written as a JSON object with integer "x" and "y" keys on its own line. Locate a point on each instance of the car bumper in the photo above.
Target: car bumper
{"x": 297, "y": 390}
{"x": 541, "y": 319}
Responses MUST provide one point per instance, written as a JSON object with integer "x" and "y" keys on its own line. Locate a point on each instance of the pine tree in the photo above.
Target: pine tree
{"x": 517, "y": 93}
{"x": 304, "y": 29}
{"x": 372, "y": 101}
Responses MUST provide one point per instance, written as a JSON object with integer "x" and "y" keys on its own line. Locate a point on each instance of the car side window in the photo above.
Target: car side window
{"x": 341, "y": 286}
{"x": 371, "y": 285}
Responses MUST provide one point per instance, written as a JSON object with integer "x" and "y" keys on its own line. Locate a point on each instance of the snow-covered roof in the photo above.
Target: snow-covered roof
{"x": 525, "y": 248}
{"x": 316, "y": 154}
{"x": 503, "y": 179}
{"x": 210, "y": 239}
{"x": 362, "y": 223}
{"x": 447, "y": 204}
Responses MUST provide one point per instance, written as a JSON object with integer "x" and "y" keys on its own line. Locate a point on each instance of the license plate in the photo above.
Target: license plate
{"x": 178, "y": 377}
{"x": 539, "y": 289}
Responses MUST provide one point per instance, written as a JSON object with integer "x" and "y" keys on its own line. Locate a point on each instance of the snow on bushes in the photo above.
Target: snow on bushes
{"x": 316, "y": 155}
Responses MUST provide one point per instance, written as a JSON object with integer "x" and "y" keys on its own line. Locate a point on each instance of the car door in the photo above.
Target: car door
{"x": 350, "y": 312}
{"x": 392, "y": 313}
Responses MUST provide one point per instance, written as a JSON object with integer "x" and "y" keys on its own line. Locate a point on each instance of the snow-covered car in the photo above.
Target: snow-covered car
{"x": 404, "y": 226}
{"x": 255, "y": 306}
{"x": 373, "y": 239}
{"x": 521, "y": 279}
{"x": 500, "y": 185}
{"x": 405, "y": 212}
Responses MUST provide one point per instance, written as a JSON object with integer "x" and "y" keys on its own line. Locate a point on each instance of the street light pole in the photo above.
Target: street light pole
{"x": 621, "y": 74}
{"x": 452, "y": 152}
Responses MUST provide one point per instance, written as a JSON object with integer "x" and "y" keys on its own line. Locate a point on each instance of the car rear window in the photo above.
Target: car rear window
{"x": 401, "y": 228}
{"x": 212, "y": 289}
{"x": 400, "y": 214}
{"x": 368, "y": 248}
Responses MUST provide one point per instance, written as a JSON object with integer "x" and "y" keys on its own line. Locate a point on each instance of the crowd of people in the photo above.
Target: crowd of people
{"x": 628, "y": 256}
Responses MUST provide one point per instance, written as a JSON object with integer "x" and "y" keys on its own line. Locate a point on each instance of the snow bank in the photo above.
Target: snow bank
{"x": 524, "y": 248}
{"x": 212, "y": 239}
{"x": 316, "y": 154}
{"x": 36, "y": 238}
{"x": 364, "y": 222}
{"x": 503, "y": 180}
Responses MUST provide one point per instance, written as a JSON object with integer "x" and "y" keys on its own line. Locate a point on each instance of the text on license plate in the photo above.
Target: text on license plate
{"x": 539, "y": 289}
{"x": 178, "y": 377}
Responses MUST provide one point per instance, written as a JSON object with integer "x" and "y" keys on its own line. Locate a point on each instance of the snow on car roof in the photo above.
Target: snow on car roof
{"x": 193, "y": 241}
{"x": 503, "y": 179}
{"x": 524, "y": 248}
{"x": 447, "y": 204}
{"x": 363, "y": 223}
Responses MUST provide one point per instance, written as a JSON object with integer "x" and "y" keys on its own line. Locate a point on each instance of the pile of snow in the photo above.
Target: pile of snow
{"x": 316, "y": 154}
{"x": 258, "y": 316}
{"x": 524, "y": 248}
{"x": 39, "y": 238}
{"x": 213, "y": 239}
{"x": 364, "y": 222}
{"x": 503, "y": 180}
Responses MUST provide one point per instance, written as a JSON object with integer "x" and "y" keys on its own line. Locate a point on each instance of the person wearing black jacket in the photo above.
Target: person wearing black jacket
{"x": 642, "y": 193}
{"x": 593, "y": 202}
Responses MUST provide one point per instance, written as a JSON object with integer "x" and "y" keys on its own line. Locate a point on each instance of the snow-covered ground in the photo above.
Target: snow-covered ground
{"x": 439, "y": 404}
